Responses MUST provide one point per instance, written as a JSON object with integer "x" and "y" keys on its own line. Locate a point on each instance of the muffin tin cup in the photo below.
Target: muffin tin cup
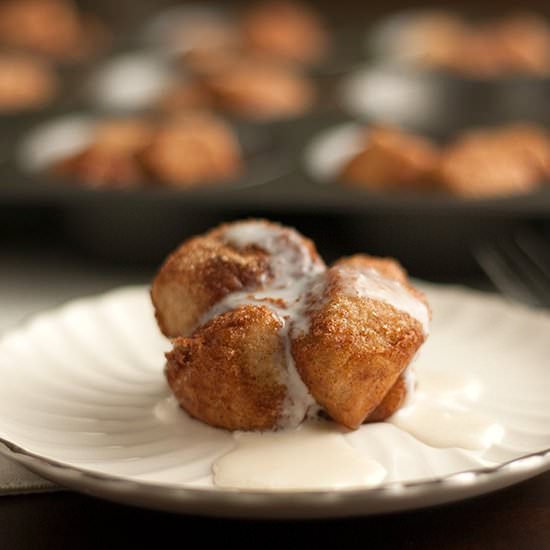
{"x": 428, "y": 102}
{"x": 430, "y": 232}
{"x": 339, "y": 139}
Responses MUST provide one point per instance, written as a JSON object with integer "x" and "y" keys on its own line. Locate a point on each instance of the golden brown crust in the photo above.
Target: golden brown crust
{"x": 288, "y": 30}
{"x": 356, "y": 347}
{"x": 480, "y": 163}
{"x": 261, "y": 89}
{"x": 51, "y": 27}
{"x": 523, "y": 141}
{"x": 110, "y": 160}
{"x": 391, "y": 403}
{"x": 25, "y": 82}
{"x": 392, "y": 160}
{"x": 127, "y": 135}
{"x": 354, "y": 352}
{"x": 205, "y": 269}
{"x": 98, "y": 167}
{"x": 493, "y": 162}
{"x": 194, "y": 148}
{"x": 230, "y": 373}
{"x": 188, "y": 95}
{"x": 518, "y": 43}
{"x": 199, "y": 274}
{"x": 524, "y": 40}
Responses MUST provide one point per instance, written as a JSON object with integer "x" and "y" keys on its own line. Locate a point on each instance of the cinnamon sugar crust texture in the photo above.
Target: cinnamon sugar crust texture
{"x": 265, "y": 335}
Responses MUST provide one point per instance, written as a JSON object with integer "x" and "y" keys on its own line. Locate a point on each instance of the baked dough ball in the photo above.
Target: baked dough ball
{"x": 517, "y": 43}
{"x": 25, "y": 83}
{"x": 51, "y": 27}
{"x": 184, "y": 96}
{"x": 364, "y": 330}
{"x": 110, "y": 160}
{"x": 261, "y": 89}
{"x": 392, "y": 401}
{"x": 233, "y": 257}
{"x": 487, "y": 163}
{"x": 524, "y": 40}
{"x": 193, "y": 149}
{"x": 266, "y": 335}
{"x": 285, "y": 29}
{"x": 231, "y": 372}
{"x": 392, "y": 160}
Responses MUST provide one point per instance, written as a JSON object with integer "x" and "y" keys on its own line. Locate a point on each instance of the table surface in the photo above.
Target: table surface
{"x": 518, "y": 517}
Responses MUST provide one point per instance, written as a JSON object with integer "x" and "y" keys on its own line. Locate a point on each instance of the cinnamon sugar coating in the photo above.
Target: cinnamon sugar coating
{"x": 230, "y": 373}
{"x": 199, "y": 274}
{"x": 207, "y": 268}
{"x": 356, "y": 347}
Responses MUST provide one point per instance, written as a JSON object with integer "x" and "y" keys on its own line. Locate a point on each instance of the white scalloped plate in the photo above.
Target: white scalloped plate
{"x": 80, "y": 385}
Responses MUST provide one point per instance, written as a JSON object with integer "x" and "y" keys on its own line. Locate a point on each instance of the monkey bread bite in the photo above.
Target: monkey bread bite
{"x": 265, "y": 335}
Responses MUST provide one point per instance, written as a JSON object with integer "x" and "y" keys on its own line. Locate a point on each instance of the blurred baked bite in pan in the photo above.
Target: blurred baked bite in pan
{"x": 190, "y": 149}
{"x": 266, "y": 335}
{"x": 392, "y": 159}
{"x": 240, "y": 84}
{"x": 25, "y": 82}
{"x": 112, "y": 157}
{"x": 518, "y": 43}
{"x": 54, "y": 28}
{"x": 508, "y": 161}
{"x": 260, "y": 89}
{"x": 184, "y": 96}
{"x": 284, "y": 29}
{"x": 484, "y": 163}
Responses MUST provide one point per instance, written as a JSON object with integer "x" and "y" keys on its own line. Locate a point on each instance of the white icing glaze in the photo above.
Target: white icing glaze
{"x": 290, "y": 258}
{"x": 322, "y": 455}
{"x": 439, "y": 414}
{"x": 292, "y": 268}
{"x": 314, "y": 456}
{"x": 369, "y": 283}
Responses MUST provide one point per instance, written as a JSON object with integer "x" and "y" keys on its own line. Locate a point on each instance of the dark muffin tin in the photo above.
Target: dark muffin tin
{"x": 431, "y": 234}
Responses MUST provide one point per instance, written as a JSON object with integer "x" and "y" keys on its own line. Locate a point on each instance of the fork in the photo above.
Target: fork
{"x": 518, "y": 265}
